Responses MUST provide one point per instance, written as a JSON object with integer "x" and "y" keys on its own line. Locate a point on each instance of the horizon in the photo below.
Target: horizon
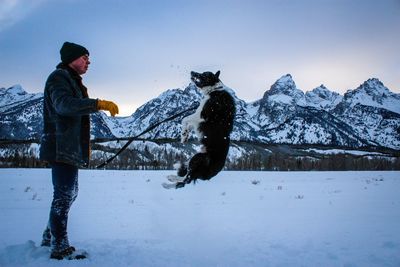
{"x": 139, "y": 49}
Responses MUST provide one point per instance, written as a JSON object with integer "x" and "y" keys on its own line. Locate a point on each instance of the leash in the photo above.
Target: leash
{"x": 131, "y": 139}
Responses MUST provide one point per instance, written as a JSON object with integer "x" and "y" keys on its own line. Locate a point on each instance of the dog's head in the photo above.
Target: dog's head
{"x": 205, "y": 79}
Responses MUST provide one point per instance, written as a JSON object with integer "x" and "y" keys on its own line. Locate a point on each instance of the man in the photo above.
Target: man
{"x": 65, "y": 141}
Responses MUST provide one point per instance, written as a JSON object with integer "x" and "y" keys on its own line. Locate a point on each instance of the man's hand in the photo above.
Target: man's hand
{"x": 107, "y": 105}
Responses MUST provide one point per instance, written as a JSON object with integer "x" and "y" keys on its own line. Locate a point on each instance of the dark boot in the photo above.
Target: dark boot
{"x": 62, "y": 254}
{"x": 69, "y": 253}
{"x": 46, "y": 238}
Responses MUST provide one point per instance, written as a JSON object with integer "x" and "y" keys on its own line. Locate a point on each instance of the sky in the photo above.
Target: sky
{"x": 140, "y": 48}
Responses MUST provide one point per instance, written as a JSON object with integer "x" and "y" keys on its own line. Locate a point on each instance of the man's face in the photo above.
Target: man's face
{"x": 81, "y": 64}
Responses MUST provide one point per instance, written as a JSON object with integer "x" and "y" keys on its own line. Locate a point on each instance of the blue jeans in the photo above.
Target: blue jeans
{"x": 65, "y": 185}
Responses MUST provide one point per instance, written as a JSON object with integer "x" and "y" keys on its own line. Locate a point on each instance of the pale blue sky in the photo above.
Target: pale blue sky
{"x": 140, "y": 48}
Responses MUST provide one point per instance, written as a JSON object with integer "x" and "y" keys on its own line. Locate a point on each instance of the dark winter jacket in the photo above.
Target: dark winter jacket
{"x": 66, "y": 109}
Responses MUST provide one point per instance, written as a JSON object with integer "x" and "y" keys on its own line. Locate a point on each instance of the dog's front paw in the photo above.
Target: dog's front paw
{"x": 184, "y": 139}
{"x": 203, "y": 149}
{"x": 184, "y": 136}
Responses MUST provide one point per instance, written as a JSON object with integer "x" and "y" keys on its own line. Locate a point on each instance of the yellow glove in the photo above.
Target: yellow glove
{"x": 107, "y": 105}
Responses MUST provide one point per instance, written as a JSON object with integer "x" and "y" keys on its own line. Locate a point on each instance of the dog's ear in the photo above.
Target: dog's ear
{"x": 217, "y": 74}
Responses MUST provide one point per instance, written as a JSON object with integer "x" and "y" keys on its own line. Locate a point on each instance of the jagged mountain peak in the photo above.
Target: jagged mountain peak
{"x": 284, "y": 85}
{"x": 286, "y": 77}
{"x": 13, "y": 90}
{"x": 284, "y": 91}
{"x": 322, "y": 87}
{"x": 170, "y": 92}
{"x": 191, "y": 89}
{"x": 372, "y": 87}
{"x": 373, "y": 93}
{"x": 322, "y": 97}
{"x": 373, "y": 82}
{"x": 321, "y": 91}
{"x": 15, "y": 95}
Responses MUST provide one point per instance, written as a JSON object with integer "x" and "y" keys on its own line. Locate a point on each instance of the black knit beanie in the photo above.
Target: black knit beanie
{"x": 70, "y": 51}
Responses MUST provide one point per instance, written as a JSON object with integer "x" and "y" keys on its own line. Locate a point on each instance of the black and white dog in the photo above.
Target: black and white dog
{"x": 212, "y": 123}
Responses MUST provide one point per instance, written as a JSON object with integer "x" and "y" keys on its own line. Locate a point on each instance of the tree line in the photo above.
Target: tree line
{"x": 161, "y": 158}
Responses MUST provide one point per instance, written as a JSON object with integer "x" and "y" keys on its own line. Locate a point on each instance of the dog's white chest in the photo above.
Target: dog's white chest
{"x": 197, "y": 114}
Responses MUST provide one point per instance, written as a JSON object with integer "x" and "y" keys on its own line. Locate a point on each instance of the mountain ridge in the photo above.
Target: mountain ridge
{"x": 366, "y": 116}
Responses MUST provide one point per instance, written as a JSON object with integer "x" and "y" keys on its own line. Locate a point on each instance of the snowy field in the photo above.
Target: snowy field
{"x": 126, "y": 218}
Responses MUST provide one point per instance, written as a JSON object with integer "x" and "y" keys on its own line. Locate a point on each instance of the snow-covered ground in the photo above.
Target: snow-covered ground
{"x": 126, "y": 218}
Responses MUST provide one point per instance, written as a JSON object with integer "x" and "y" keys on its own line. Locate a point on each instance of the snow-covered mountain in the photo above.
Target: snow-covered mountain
{"x": 373, "y": 93}
{"x": 20, "y": 113}
{"x": 14, "y": 96}
{"x": 322, "y": 98}
{"x": 165, "y": 105}
{"x": 21, "y": 116}
{"x": 373, "y": 112}
{"x": 366, "y": 116}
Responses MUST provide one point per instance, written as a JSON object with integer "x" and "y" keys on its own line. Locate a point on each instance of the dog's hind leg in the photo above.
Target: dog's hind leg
{"x": 181, "y": 172}
{"x": 177, "y": 182}
{"x": 199, "y": 165}
{"x": 199, "y": 168}
{"x": 182, "y": 169}
{"x": 175, "y": 179}
{"x": 169, "y": 186}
